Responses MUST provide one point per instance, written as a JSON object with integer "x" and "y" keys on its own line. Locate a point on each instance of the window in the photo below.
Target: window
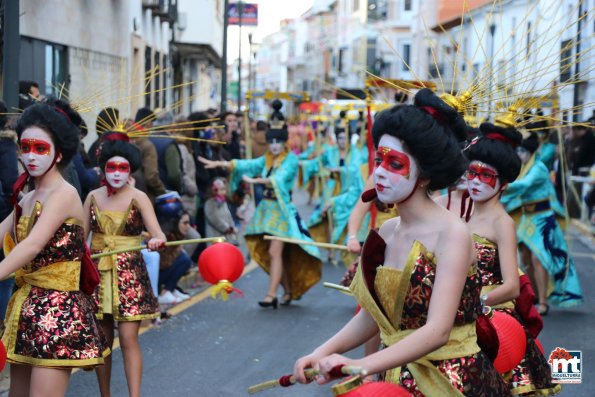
{"x": 341, "y": 59}
{"x": 565, "y": 60}
{"x": 406, "y": 57}
{"x": 55, "y": 69}
{"x": 147, "y": 69}
{"x": 157, "y": 80}
{"x": 407, "y": 5}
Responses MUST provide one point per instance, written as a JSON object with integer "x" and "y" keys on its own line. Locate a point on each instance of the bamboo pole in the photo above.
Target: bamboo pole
{"x": 306, "y": 242}
{"x": 167, "y": 244}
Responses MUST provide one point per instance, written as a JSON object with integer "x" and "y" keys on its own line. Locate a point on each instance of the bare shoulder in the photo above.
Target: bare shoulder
{"x": 442, "y": 200}
{"x": 388, "y": 227}
{"x": 504, "y": 224}
{"x": 454, "y": 230}
{"x": 141, "y": 197}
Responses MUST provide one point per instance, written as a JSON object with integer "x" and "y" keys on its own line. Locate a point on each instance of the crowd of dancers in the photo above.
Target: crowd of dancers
{"x": 428, "y": 266}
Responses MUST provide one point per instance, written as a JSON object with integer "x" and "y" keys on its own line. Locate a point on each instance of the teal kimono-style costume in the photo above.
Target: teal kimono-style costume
{"x": 539, "y": 230}
{"x": 546, "y": 153}
{"x": 276, "y": 215}
{"x": 341, "y": 191}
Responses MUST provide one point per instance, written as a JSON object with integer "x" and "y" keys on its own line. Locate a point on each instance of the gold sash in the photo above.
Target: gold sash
{"x": 109, "y": 243}
{"x": 60, "y": 276}
{"x": 462, "y": 340}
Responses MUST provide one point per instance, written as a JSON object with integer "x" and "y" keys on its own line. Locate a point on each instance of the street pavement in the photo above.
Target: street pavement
{"x": 217, "y": 348}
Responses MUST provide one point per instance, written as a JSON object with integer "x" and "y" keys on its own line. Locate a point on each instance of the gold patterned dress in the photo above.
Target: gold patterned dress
{"x": 399, "y": 300}
{"x": 49, "y": 321}
{"x": 532, "y": 376}
{"x": 125, "y": 289}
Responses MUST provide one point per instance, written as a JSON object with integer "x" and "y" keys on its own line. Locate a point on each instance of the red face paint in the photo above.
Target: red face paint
{"x": 485, "y": 175}
{"x": 117, "y": 166}
{"x": 37, "y": 146}
{"x": 393, "y": 161}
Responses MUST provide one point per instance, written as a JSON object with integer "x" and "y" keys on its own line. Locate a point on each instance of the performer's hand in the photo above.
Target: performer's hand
{"x": 248, "y": 179}
{"x": 309, "y": 361}
{"x": 353, "y": 245}
{"x": 155, "y": 244}
{"x": 326, "y": 364}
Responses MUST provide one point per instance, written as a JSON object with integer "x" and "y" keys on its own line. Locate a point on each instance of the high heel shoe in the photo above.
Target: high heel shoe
{"x": 286, "y": 299}
{"x": 545, "y": 308}
{"x": 273, "y": 303}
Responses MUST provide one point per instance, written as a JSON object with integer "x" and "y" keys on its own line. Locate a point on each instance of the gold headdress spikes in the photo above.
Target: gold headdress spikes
{"x": 508, "y": 119}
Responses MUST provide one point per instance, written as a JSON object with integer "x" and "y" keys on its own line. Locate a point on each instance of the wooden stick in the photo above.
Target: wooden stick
{"x": 167, "y": 244}
{"x": 338, "y": 287}
{"x": 305, "y": 242}
{"x": 310, "y": 374}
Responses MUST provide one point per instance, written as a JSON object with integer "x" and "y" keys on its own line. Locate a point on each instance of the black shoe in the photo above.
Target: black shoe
{"x": 286, "y": 299}
{"x": 543, "y": 309}
{"x": 273, "y": 303}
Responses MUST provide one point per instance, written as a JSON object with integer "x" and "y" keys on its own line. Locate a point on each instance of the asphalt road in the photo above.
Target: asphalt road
{"x": 218, "y": 348}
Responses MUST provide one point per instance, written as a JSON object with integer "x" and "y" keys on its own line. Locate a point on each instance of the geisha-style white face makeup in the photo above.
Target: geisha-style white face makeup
{"x": 117, "y": 171}
{"x": 462, "y": 183}
{"x": 276, "y": 147}
{"x": 37, "y": 151}
{"x": 396, "y": 172}
{"x": 482, "y": 181}
{"x": 342, "y": 140}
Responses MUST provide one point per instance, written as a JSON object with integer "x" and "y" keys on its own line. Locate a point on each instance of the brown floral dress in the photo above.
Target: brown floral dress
{"x": 125, "y": 289}
{"x": 49, "y": 322}
{"x": 532, "y": 377}
{"x": 399, "y": 300}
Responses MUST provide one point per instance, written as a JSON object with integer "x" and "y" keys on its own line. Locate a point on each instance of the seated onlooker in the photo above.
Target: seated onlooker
{"x": 175, "y": 261}
{"x": 217, "y": 213}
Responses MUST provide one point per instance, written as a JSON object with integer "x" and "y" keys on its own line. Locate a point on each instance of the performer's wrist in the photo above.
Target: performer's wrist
{"x": 352, "y": 237}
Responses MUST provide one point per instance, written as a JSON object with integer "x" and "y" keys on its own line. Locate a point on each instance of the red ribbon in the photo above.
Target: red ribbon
{"x": 110, "y": 190}
{"x": 499, "y": 137}
{"x": 434, "y": 113}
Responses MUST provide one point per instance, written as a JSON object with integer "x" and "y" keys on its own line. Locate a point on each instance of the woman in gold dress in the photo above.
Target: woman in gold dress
{"x": 417, "y": 284}
{"x": 117, "y": 214}
{"x": 50, "y": 324}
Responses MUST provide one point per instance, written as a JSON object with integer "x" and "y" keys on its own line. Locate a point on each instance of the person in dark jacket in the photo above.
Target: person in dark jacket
{"x": 169, "y": 159}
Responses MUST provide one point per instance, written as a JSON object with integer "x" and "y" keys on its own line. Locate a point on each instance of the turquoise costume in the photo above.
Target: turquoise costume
{"x": 546, "y": 153}
{"x": 276, "y": 215}
{"x": 539, "y": 230}
{"x": 342, "y": 191}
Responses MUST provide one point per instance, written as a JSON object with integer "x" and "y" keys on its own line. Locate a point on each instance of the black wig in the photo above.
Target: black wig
{"x": 59, "y": 120}
{"x": 495, "y": 146}
{"x": 531, "y": 143}
{"x": 107, "y": 120}
{"x": 120, "y": 148}
{"x": 432, "y": 140}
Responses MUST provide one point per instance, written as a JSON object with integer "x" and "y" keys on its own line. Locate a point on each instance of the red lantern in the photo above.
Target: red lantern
{"x": 2, "y": 356}
{"x": 512, "y": 341}
{"x": 221, "y": 264}
{"x": 377, "y": 389}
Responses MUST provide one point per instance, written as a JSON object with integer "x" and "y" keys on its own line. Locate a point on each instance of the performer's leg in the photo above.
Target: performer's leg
{"x": 104, "y": 372}
{"x": 133, "y": 359}
{"x": 541, "y": 280}
{"x": 49, "y": 382}
{"x": 276, "y": 271}
{"x": 20, "y": 380}
{"x": 527, "y": 262}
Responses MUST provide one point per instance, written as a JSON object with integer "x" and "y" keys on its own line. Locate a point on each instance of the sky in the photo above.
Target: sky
{"x": 270, "y": 14}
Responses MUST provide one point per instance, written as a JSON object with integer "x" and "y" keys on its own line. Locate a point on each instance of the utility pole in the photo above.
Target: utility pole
{"x": 223, "y": 105}
{"x": 10, "y": 56}
{"x": 241, "y": 11}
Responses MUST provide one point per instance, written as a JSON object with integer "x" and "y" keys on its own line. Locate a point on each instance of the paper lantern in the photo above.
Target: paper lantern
{"x": 512, "y": 341}
{"x": 220, "y": 265}
{"x": 377, "y": 389}
{"x": 2, "y": 356}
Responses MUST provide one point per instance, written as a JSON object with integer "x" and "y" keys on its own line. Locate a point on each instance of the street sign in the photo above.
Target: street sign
{"x": 249, "y": 14}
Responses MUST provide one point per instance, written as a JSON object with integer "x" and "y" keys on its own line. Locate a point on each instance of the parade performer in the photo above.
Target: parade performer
{"x": 296, "y": 267}
{"x": 416, "y": 283}
{"x": 341, "y": 192}
{"x": 50, "y": 324}
{"x": 116, "y": 216}
{"x": 494, "y": 164}
{"x": 544, "y": 251}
